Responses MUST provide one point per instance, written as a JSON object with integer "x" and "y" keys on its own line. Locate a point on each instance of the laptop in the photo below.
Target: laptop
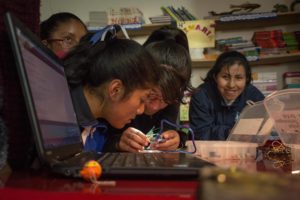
{"x": 54, "y": 124}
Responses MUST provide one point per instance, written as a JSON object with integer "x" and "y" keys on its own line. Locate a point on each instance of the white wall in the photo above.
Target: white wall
{"x": 199, "y": 8}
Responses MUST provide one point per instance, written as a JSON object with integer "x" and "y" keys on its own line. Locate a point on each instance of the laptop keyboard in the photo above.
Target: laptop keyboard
{"x": 135, "y": 160}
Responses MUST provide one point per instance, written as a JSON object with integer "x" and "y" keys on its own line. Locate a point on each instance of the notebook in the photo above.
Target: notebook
{"x": 54, "y": 125}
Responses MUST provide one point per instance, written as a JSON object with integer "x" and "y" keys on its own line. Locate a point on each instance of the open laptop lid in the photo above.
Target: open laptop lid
{"x": 46, "y": 94}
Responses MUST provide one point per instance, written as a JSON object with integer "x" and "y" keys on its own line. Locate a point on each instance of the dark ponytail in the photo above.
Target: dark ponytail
{"x": 92, "y": 65}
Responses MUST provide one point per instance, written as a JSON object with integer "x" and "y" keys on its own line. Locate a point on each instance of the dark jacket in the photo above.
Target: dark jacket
{"x": 145, "y": 123}
{"x": 96, "y": 140}
{"x": 210, "y": 117}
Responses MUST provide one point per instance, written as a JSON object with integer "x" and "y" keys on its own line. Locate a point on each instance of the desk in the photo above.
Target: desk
{"x": 43, "y": 185}
{"x": 262, "y": 180}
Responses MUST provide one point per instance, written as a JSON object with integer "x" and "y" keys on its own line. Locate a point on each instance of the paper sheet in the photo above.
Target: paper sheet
{"x": 248, "y": 126}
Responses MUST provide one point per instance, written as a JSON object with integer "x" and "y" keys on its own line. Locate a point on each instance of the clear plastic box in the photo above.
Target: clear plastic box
{"x": 280, "y": 110}
{"x": 251, "y": 130}
{"x": 220, "y": 150}
{"x": 284, "y": 108}
{"x": 254, "y": 125}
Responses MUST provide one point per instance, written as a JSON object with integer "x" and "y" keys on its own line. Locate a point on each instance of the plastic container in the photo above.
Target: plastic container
{"x": 284, "y": 108}
{"x": 253, "y": 126}
{"x": 222, "y": 150}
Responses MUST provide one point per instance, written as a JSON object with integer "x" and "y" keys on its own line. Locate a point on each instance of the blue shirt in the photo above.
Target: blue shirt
{"x": 97, "y": 138}
{"x": 210, "y": 117}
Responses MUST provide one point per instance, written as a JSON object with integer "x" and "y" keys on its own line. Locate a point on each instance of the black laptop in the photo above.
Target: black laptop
{"x": 54, "y": 123}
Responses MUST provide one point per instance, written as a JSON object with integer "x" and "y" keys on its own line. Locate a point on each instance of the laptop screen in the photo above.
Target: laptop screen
{"x": 45, "y": 84}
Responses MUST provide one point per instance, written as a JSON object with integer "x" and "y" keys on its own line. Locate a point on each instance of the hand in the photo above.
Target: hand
{"x": 133, "y": 140}
{"x": 172, "y": 141}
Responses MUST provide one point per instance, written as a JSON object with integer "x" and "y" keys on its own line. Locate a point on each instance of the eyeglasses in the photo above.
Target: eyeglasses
{"x": 66, "y": 42}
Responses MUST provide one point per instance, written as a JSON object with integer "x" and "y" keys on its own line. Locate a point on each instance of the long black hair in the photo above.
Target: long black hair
{"x": 175, "y": 68}
{"x": 92, "y": 65}
{"x": 169, "y": 47}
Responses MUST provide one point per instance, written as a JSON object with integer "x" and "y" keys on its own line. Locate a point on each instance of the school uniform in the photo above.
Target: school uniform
{"x": 95, "y": 138}
{"x": 211, "y": 118}
{"x": 145, "y": 123}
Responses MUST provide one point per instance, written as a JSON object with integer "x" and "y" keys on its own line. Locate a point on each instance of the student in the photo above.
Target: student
{"x": 217, "y": 103}
{"x": 164, "y": 99}
{"x": 166, "y": 33}
{"x": 61, "y": 32}
{"x": 110, "y": 80}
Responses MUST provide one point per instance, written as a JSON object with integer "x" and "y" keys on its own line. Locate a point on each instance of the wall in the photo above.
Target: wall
{"x": 199, "y": 8}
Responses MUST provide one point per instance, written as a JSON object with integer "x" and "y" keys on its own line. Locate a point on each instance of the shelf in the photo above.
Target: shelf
{"x": 268, "y": 60}
{"x": 281, "y": 19}
{"x": 146, "y": 30}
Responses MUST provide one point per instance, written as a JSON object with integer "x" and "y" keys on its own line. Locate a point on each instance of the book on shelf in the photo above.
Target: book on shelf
{"x": 247, "y": 16}
{"x": 97, "y": 20}
{"x": 187, "y": 13}
{"x": 291, "y": 79}
{"x": 266, "y": 52}
{"x": 292, "y": 44}
{"x": 179, "y": 14}
{"x": 239, "y": 44}
{"x": 160, "y": 19}
{"x": 268, "y": 34}
{"x": 266, "y": 82}
{"x": 125, "y": 16}
{"x": 167, "y": 11}
{"x": 271, "y": 42}
{"x": 129, "y": 18}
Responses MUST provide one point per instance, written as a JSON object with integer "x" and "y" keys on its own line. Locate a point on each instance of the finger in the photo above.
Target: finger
{"x": 127, "y": 147}
{"x": 135, "y": 144}
{"x": 169, "y": 134}
{"x": 138, "y": 137}
{"x": 131, "y": 149}
{"x": 140, "y": 134}
{"x": 132, "y": 140}
{"x": 170, "y": 144}
{"x": 166, "y": 147}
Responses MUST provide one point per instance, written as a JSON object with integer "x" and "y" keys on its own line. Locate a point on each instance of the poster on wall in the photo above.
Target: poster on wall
{"x": 200, "y": 34}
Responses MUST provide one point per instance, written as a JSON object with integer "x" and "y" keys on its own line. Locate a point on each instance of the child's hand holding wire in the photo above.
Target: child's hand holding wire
{"x": 168, "y": 140}
{"x": 133, "y": 140}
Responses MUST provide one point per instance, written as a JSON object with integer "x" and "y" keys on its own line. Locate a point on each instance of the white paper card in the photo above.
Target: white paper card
{"x": 248, "y": 126}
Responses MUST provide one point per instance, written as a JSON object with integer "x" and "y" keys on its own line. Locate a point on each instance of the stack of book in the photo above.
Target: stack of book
{"x": 292, "y": 44}
{"x": 130, "y": 18}
{"x": 239, "y": 44}
{"x": 247, "y": 16}
{"x": 179, "y": 14}
{"x": 97, "y": 20}
{"x": 271, "y": 42}
{"x": 291, "y": 79}
{"x": 160, "y": 19}
{"x": 266, "y": 82}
